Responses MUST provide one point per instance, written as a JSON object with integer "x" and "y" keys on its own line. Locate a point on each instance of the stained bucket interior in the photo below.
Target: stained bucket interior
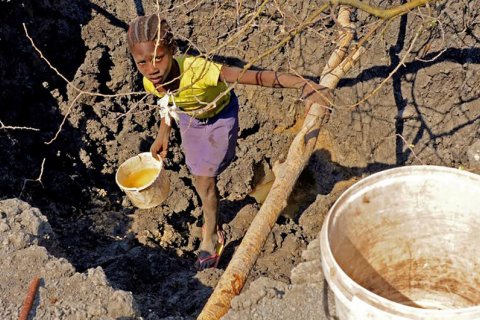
{"x": 138, "y": 172}
{"x": 143, "y": 180}
{"x": 412, "y": 236}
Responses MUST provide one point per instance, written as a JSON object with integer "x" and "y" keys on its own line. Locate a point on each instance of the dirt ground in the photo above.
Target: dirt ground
{"x": 63, "y": 218}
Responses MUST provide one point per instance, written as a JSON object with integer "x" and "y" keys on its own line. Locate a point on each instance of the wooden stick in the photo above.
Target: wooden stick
{"x": 29, "y": 299}
{"x": 346, "y": 35}
{"x": 286, "y": 174}
{"x": 383, "y": 13}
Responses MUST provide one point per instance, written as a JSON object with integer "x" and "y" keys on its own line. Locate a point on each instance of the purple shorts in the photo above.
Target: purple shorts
{"x": 209, "y": 144}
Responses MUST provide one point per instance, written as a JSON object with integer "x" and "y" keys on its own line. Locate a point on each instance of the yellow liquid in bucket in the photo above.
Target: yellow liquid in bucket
{"x": 141, "y": 178}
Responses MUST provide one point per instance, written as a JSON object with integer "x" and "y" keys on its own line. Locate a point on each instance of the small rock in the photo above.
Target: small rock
{"x": 4, "y": 227}
{"x": 474, "y": 155}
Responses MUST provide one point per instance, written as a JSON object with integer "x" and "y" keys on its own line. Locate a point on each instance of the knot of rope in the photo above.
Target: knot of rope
{"x": 166, "y": 111}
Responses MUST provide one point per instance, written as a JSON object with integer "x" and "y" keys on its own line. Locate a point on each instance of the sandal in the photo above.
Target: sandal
{"x": 206, "y": 260}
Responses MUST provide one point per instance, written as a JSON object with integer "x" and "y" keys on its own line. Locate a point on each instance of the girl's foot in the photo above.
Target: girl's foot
{"x": 209, "y": 254}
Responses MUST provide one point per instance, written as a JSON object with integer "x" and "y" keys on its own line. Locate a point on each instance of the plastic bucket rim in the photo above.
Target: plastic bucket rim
{"x": 142, "y": 154}
{"x": 366, "y": 295}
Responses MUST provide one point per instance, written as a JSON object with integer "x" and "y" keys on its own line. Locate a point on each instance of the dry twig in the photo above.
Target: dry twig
{"x": 69, "y": 83}
{"x": 39, "y": 179}
{"x": 4, "y": 127}
{"x": 390, "y": 75}
{"x": 410, "y": 146}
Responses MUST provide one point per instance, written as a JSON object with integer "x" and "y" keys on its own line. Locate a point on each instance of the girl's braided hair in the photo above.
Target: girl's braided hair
{"x": 145, "y": 28}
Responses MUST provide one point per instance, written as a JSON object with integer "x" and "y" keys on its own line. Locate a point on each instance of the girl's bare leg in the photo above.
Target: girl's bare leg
{"x": 207, "y": 190}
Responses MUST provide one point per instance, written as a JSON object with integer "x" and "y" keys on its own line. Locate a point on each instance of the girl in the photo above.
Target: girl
{"x": 208, "y": 133}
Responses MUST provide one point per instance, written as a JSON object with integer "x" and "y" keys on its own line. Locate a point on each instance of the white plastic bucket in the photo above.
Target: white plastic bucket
{"x": 147, "y": 191}
{"x": 405, "y": 244}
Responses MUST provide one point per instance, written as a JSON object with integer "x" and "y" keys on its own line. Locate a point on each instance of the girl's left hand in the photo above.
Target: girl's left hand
{"x": 316, "y": 93}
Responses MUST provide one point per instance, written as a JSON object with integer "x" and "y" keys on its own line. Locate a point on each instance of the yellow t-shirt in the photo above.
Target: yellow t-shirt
{"x": 199, "y": 85}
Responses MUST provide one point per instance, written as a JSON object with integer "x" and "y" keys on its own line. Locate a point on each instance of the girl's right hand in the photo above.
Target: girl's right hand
{"x": 159, "y": 147}
{"x": 316, "y": 93}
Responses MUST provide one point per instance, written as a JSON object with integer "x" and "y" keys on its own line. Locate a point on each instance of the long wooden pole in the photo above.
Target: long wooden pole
{"x": 234, "y": 277}
{"x": 286, "y": 174}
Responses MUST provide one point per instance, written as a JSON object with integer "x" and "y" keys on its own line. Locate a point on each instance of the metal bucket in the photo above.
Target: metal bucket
{"x": 405, "y": 244}
{"x": 150, "y": 189}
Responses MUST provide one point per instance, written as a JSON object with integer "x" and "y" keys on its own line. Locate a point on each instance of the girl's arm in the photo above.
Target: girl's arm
{"x": 310, "y": 90}
{"x": 159, "y": 147}
{"x": 270, "y": 79}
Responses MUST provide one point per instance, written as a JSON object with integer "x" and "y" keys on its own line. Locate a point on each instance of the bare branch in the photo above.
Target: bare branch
{"x": 384, "y": 13}
{"x": 410, "y": 146}
{"x": 69, "y": 82}
{"x": 400, "y": 64}
{"x": 4, "y": 127}
{"x": 39, "y": 179}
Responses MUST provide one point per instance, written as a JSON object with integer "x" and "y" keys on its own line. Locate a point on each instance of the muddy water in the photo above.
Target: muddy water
{"x": 141, "y": 178}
